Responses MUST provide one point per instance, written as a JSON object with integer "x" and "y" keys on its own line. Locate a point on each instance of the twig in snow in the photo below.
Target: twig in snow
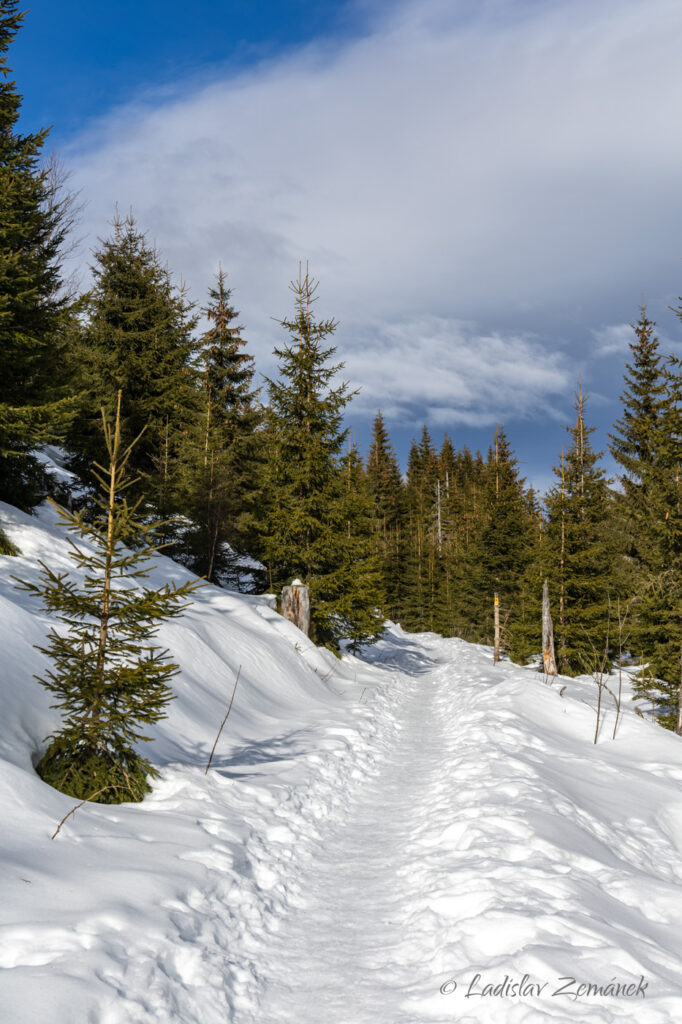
{"x": 223, "y": 722}
{"x": 622, "y": 620}
{"x": 600, "y": 667}
{"x": 87, "y": 800}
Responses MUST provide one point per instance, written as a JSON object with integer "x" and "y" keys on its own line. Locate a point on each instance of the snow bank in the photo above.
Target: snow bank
{"x": 421, "y": 836}
{"x": 131, "y": 913}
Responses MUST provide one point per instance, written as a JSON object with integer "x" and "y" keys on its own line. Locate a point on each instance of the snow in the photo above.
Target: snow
{"x": 412, "y": 837}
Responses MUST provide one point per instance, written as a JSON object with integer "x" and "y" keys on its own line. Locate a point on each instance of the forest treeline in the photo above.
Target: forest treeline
{"x": 242, "y": 470}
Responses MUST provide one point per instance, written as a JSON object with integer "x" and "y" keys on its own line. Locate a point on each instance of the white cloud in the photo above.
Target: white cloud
{"x": 455, "y": 374}
{"x": 615, "y": 338}
{"x": 507, "y": 163}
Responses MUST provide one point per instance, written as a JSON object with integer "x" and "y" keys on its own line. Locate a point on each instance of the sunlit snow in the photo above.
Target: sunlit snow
{"x": 417, "y": 836}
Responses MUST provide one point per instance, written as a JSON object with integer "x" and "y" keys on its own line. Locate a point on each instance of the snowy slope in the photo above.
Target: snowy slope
{"x": 378, "y": 842}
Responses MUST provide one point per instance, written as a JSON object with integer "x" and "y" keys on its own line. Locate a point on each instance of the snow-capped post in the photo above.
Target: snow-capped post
{"x": 496, "y": 652}
{"x": 548, "y": 659}
{"x": 296, "y": 605}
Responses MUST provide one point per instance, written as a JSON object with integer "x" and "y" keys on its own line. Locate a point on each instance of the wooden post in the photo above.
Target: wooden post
{"x": 496, "y": 651}
{"x": 548, "y": 660}
{"x": 296, "y": 605}
{"x": 678, "y": 728}
{"x": 562, "y": 567}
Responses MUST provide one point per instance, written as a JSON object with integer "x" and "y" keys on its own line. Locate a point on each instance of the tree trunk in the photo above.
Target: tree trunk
{"x": 548, "y": 660}
{"x": 113, "y": 441}
{"x": 296, "y": 605}
{"x": 496, "y": 651}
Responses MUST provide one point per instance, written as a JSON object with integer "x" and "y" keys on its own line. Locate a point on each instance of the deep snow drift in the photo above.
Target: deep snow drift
{"x": 396, "y": 840}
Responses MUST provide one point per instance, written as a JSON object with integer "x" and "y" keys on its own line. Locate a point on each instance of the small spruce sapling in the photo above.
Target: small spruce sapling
{"x": 108, "y": 677}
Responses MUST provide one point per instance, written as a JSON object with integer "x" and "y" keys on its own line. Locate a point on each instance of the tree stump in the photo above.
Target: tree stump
{"x": 296, "y": 605}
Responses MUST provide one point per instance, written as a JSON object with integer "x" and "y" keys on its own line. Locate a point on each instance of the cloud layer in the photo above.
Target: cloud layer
{"x": 447, "y": 372}
{"x": 478, "y": 186}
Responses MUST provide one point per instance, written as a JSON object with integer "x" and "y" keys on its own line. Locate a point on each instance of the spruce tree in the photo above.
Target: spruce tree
{"x": 305, "y": 439}
{"x": 659, "y": 599}
{"x": 219, "y": 484}
{"x": 304, "y": 521}
{"x": 658, "y": 634}
{"x": 447, "y": 513}
{"x": 33, "y": 409}
{"x": 137, "y": 339}
{"x": 581, "y": 552}
{"x": 108, "y": 678}
{"x": 421, "y": 567}
{"x": 504, "y": 537}
{"x": 359, "y": 582}
{"x": 448, "y": 491}
{"x": 525, "y": 622}
{"x": 387, "y": 493}
{"x": 637, "y": 444}
{"x": 467, "y": 513}
{"x": 646, "y": 444}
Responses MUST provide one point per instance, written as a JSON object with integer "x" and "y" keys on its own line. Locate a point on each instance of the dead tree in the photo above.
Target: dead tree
{"x": 548, "y": 659}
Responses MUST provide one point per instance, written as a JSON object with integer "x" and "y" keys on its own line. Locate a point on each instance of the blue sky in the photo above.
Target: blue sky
{"x": 76, "y": 60}
{"x": 486, "y": 189}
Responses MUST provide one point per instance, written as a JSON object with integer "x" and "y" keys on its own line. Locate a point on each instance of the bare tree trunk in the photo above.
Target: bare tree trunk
{"x": 113, "y": 440}
{"x": 207, "y": 433}
{"x": 496, "y": 651}
{"x": 622, "y": 618}
{"x": 212, "y": 548}
{"x": 548, "y": 659}
{"x": 600, "y": 684}
{"x": 600, "y": 670}
{"x": 581, "y": 425}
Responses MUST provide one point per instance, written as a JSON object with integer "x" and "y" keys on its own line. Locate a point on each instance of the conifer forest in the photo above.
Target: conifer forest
{"x": 253, "y": 481}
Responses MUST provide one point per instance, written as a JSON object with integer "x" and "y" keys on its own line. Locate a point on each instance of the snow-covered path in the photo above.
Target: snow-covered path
{"x": 343, "y": 953}
{"x": 476, "y": 853}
